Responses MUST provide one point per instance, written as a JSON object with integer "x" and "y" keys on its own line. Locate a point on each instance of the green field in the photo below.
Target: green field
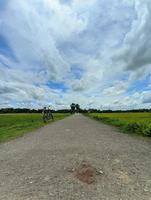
{"x": 138, "y": 123}
{"x": 15, "y": 125}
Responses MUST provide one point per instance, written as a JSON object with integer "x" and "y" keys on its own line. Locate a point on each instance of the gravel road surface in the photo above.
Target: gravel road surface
{"x": 76, "y": 159}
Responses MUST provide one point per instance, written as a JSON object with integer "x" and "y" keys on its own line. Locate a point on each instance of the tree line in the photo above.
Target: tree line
{"x": 26, "y": 110}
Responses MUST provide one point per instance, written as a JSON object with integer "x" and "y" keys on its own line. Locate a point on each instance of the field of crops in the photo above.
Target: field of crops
{"x": 139, "y": 123}
{"x": 15, "y": 125}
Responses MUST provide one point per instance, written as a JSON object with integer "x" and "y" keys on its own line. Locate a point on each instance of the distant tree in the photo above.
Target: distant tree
{"x": 73, "y": 107}
{"x": 77, "y": 107}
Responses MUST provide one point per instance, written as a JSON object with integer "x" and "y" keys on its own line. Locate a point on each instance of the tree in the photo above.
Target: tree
{"x": 77, "y": 107}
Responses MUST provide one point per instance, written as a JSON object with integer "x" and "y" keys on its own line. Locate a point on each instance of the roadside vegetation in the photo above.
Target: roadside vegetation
{"x": 15, "y": 125}
{"x": 137, "y": 123}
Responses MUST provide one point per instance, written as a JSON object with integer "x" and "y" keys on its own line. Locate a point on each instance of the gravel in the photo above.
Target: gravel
{"x": 41, "y": 165}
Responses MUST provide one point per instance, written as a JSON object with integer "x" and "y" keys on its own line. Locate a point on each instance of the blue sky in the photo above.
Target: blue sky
{"x": 95, "y": 53}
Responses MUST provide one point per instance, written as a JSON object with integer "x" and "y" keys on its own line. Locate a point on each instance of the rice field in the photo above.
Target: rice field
{"x": 139, "y": 123}
{"x": 15, "y": 125}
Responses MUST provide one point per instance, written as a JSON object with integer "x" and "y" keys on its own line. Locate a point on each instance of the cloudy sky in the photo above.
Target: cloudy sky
{"x": 93, "y": 52}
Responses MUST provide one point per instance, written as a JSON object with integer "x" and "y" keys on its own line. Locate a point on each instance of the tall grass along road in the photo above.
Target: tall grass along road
{"x": 134, "y": 123}
{"x": 75, "y": 158}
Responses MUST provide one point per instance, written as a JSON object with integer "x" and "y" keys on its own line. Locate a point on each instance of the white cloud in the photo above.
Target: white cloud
{"x": 136, "y": 49}
{"x": 108, "y": 41}
{"x": 118, "y": 88}
{"x": 146, "y": 98}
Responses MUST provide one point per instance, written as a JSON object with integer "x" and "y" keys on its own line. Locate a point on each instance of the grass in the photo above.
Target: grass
{"x": 138, "y": 123}
{"x": 16, "y": 125}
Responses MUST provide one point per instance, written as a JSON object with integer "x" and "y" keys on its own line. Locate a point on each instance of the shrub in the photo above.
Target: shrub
{"x": 133, "y": 127}
{"x": 147, "y": 130}
{"x": 139, "y": 128}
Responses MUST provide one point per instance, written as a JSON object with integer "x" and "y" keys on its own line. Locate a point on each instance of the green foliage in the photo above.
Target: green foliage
{"x": 133, "y": 127}
{"x": 15, "y": 125}
{"x": 138, "y": 123}
{"x": 147, "y": 130}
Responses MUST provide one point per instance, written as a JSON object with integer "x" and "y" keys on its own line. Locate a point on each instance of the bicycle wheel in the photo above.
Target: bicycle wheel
{"x": 44, "y": 118}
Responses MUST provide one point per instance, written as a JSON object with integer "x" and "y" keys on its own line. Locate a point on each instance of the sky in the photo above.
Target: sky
{"x": 96, "y": 53}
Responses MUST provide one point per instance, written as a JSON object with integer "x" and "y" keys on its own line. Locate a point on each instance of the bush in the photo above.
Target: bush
{"x": 140, "y": 128}
{"x": 147, "y": 130}
{"x": 133, "y": 127}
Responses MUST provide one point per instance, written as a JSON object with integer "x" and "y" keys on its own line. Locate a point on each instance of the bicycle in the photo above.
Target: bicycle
{"x": 47, "y": 115}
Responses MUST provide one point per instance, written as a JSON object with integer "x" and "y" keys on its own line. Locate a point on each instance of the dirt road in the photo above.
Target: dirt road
{"x": 76, "y": 159}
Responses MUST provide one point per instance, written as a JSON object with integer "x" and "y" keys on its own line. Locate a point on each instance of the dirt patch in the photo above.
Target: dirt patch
{"x": 85, "y": 173}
